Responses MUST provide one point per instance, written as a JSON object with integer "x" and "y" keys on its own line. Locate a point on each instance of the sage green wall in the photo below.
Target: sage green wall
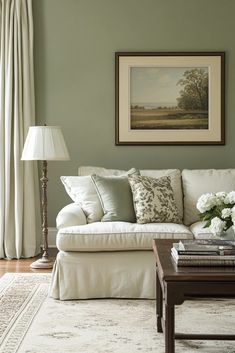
{"x": 75, "y": 42}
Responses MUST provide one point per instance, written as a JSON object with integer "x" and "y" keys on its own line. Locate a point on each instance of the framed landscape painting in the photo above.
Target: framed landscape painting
{"x": 170, "y": 98}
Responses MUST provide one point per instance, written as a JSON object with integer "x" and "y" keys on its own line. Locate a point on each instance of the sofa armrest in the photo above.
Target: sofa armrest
{"x": 70, "y": 215}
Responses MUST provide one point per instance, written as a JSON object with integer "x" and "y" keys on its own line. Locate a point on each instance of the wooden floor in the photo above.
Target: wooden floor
{"x": 23, "y": 265}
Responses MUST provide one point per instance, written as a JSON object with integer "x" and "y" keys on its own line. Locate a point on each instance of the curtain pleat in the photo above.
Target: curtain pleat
{"x": 19, "y": 194}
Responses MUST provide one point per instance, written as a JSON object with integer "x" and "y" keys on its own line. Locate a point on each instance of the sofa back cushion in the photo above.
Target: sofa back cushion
{"x": 174, "y": 174}
{"x": 89, "y": 170}
{"x": 198, "y": 182}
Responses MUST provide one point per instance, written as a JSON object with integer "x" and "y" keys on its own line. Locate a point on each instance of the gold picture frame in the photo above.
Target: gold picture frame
{"x": 174, "y": 98}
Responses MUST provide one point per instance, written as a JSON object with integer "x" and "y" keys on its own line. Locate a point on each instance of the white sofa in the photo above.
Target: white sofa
{"x": 115, "y": 259}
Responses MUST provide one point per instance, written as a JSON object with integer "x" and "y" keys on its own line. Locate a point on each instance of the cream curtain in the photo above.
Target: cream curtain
{"x": 19, "y": 195}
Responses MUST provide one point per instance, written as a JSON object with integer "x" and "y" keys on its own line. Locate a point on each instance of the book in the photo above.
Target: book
{"x": 210, "y": 252}
{"x": 199, "y": 255}
{"x": 210, "y": 246}
{"x": 202, "y": 262}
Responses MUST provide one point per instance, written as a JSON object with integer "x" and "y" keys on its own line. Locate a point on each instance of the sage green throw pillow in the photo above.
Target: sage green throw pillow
{"x": 115, "y": 197}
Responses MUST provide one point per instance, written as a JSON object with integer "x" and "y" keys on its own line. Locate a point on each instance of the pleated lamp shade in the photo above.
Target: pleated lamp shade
{"x": 45, "y": 143}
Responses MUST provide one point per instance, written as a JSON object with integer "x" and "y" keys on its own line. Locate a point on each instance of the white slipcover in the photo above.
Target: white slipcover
{"x": 199, "y": 232}
{"x": 198, "y": 182}
{"x": 114, "y": 236}
{"x": 70, "y": 215}
{"x": 126, "y": 274}
{"x": 114, "y": 259}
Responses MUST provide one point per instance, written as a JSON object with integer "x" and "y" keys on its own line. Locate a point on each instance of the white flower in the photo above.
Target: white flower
{"x": 206, "y": 202}
{"x": 230, "y": 198}
{"x": 221, "y": 195}
{"x": 217, "y": 225}
{"x": 226, "y": 212}
{"x": 233, "y": 214}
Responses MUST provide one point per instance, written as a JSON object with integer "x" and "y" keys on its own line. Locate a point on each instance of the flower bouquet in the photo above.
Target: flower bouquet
{"x": 218, "y": 211}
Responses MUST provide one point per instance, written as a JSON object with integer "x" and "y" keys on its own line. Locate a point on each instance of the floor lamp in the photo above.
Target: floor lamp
{"x": 44, "y": 143}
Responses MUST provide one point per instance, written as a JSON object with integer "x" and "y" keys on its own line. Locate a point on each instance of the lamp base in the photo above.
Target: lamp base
{"x": 42, "y": 263}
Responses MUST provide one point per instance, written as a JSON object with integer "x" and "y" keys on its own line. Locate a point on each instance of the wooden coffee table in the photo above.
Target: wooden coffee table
{"x": 177, "y": 284}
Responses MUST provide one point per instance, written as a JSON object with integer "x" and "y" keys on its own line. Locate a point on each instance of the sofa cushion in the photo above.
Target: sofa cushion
{"x": 199, "y": 232}
{"x": 198, "y": 182}
{"x": 118, "y": 236}
{"x": 89, "y": 170}
{"x": 116, "y": 198}
{"x": 154, "y": 200}
{"x": 174, "y": 174}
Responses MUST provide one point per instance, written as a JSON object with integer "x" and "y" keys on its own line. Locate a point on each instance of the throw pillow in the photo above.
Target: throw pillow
{"x": 116, "y": 197}
{"x": 82, "y": 191}
{"x": 174, "y": 174}
{"x": 154, "y": 200}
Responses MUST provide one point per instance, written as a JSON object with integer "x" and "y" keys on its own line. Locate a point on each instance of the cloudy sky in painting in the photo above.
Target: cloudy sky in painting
{"x": 155, "y": 84}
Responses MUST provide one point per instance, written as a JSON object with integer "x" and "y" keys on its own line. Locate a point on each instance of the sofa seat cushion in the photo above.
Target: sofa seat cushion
{"x": 199, "y": 232}
{"x": 118, "y": 236}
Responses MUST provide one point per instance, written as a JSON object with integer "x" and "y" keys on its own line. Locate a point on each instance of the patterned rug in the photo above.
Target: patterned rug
{"x": 31, "y": 322}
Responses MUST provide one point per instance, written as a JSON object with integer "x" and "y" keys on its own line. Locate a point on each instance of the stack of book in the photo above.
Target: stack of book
{"x": 209, "y": 252}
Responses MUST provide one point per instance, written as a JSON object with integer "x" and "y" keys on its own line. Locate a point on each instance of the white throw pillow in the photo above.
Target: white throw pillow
{"x": 82, "y": 191}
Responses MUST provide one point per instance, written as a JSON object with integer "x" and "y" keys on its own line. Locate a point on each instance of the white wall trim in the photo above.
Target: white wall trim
{"x": 52, "y": 231}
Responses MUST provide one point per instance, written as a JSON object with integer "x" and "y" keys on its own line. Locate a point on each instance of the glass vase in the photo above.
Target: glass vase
{"x": 228, "y": 235}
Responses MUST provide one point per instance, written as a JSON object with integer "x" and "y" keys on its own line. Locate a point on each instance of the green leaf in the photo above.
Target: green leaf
{"x": 207, "y": 224}
{"x": 207, "y": 217}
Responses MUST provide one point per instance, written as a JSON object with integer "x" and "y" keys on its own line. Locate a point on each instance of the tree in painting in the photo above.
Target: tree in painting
{"x": 194, "y": 94}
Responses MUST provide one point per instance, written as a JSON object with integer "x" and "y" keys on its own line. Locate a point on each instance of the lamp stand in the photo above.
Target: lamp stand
{"x": 44, "y": 262}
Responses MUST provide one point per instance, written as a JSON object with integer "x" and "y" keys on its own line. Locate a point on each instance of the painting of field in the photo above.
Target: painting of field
{"x": 165, "y": 119}
{"x": 169, "y": 98}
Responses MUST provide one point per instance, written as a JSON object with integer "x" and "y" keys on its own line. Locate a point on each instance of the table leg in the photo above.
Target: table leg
{"x": 170, "y": 328}
{"x": 159, "y": 303}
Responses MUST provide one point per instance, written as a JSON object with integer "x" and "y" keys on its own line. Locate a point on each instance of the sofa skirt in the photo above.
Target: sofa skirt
{"x": 85, "y": 275}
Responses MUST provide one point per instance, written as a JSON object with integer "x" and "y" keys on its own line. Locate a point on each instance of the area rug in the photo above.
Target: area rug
{"x": 31, "y": 322}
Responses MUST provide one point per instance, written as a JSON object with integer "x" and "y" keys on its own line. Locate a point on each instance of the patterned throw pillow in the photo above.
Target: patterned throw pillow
{"x": 154, "y": 200}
